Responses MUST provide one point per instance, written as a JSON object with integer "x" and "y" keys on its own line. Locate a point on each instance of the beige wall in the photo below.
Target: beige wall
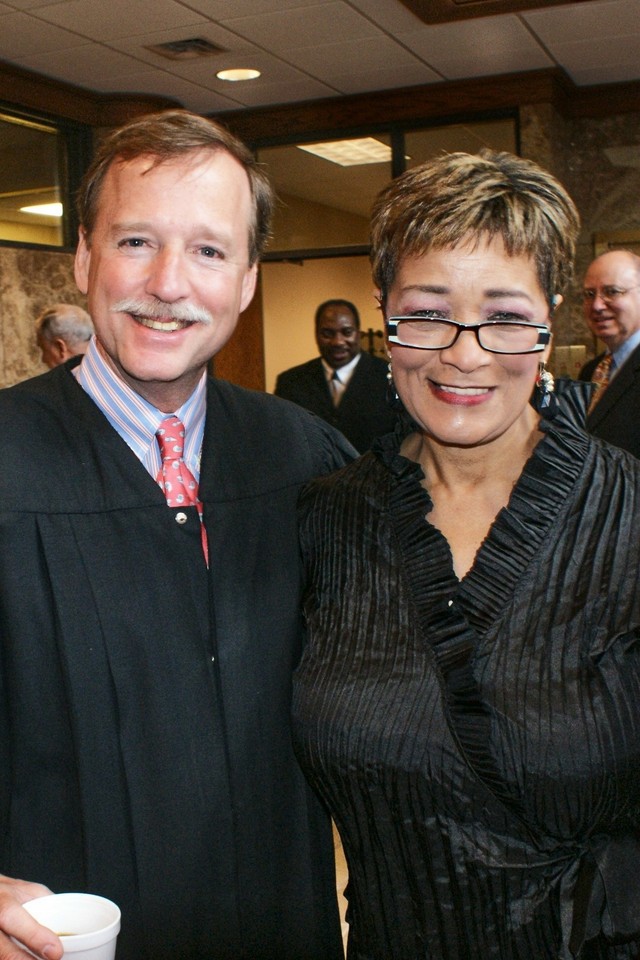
{"x": 30, "y": 233}
{"x": 303, "y": 225}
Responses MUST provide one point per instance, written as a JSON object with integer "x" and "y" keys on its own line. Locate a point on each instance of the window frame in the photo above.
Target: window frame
{"x": 75, "y": 147}
{"x": 396, "y": 131}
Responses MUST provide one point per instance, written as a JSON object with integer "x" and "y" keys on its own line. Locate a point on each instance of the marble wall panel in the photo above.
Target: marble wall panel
{"x": 30, "y": 280}
{"x": 606, "y": 191}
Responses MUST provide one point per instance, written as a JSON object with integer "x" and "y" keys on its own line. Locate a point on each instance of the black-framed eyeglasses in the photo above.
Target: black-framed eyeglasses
{"x": 607, "y": 293}
{"x": 495, "y": 336}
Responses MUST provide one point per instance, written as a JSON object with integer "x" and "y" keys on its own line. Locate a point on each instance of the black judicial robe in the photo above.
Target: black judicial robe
{"x": 144, "y": 701}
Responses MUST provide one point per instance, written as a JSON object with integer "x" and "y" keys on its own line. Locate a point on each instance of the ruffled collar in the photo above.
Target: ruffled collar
{"x": 518, "y": 530}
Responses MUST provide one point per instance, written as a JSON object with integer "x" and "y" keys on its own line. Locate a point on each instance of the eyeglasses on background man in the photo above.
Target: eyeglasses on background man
{"x": 608, "y": 294}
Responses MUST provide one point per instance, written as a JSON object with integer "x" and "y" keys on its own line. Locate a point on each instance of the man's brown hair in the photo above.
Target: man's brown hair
{"x": 167, "y": 136}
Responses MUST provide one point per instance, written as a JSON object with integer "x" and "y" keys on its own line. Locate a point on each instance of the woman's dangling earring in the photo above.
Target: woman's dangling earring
{"x": 393, "y": 399}
{"x": 544, "y": 398}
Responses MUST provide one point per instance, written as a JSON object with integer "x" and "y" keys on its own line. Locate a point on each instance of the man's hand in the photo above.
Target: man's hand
{"x": 16, "y": 922}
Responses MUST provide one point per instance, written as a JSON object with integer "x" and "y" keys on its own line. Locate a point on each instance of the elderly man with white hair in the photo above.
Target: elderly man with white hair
{"x": 62, "y": 331}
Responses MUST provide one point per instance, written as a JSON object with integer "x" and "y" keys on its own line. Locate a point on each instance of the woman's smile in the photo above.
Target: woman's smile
{"x": 459, "y": 395}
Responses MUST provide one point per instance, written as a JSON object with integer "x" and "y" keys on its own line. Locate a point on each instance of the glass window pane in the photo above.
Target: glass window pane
{"x": 325, "y": 202}
{"x": 30, "y": 177}
{"x": 420, "y": 145}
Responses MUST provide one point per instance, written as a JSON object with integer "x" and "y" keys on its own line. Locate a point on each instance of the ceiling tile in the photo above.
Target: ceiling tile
{"x": 478, "y": 47}
{"x": 309, "y": 48}
{"x": 274, "y": 93}
{"x": 588, "y": 21}
{"x": 393, "y": 17}
{"x": 22, "y": 34}
{"x": 28, "y": 4}
{"x": 198, "y": 28}
{"x": 190, "y": 95}
{"x": 610, "y": 73}
{"x": 303, "y": 26}
{"x": 488, "y": 63}
{"x": 74, "y": 66}
{"x": 203, "y": 71}
{"x": 227, "y": 9}
{"x": 353, "y": 55}
{"x": 207, "y": 102}
{"x": 385, "y": 78}
{"x": 117, "y": 18}
{"x": 600, "y": 54}
{"x": 138, "y": 46}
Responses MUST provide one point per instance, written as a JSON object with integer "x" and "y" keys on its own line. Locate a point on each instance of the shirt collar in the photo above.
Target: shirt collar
{"x": 134, "y": 418}
{"x": 344, "y": 373}
{"x": 624, "y": 351}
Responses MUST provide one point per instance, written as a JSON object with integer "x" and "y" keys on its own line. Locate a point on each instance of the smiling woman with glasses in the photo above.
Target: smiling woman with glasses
{"x": 467, "y": 700}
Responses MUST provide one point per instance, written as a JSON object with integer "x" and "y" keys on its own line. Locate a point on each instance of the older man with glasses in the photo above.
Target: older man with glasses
{"x": 611, "y": 298}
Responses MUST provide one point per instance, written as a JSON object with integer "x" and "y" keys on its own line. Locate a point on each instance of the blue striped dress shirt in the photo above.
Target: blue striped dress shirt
{"x": 134, "y": 418}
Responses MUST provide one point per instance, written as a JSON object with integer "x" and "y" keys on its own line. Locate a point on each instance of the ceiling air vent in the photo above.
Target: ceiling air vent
{"x": 190, "y": 49}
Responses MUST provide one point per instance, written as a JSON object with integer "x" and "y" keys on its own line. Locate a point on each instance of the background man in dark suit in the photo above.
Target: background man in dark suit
{"x": 147, "y": 641}
{"x": 612, "y": 309}
{"x": 344, "y": 385}
{"x": 63, "y": 330}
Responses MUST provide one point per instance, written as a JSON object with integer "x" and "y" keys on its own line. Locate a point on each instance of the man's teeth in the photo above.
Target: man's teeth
{"x": 168, "y": 326}
{"x": 465, "y": 391}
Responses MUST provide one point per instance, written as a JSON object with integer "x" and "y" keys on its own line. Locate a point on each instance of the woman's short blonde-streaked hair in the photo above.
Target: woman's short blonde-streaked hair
{"x": 172, "y": 135}
{"x": 460, "y": 197}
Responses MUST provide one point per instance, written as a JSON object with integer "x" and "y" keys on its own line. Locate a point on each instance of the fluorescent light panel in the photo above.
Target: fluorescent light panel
{"x": 44, "y": 209}
{"x": 350, "y": 153}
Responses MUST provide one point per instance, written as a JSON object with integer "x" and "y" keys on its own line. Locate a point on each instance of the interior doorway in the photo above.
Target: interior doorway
{"x": 290, "y": 294}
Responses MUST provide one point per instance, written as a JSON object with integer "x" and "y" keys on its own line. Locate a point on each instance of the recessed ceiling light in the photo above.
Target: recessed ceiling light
{"x": 238, "y": 74}
{"x": 350, "y": 153}
{"x": 44, "y": 209}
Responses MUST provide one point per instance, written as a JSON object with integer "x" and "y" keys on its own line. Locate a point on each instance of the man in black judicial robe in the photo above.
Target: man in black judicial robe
{"x": 144, "y": 695}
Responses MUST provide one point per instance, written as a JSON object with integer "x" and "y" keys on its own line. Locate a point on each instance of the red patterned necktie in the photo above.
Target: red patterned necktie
{"x": 176, "y": 480}
{"x": 600, "y": 377}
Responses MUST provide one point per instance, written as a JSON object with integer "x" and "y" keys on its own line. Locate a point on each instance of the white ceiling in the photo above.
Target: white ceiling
{"x": 308, "y": 50}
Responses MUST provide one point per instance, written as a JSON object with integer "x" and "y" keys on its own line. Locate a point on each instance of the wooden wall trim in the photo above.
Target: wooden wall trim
{"x": 605, "y": 100}
{"x": 400, "y": 106}
{"x": 32, "y": 91}
{"x": 439, "y": 101}
{"x": 241, "y": 360}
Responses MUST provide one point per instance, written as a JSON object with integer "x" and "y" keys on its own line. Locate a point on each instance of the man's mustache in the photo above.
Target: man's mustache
{"x": 158, "y": 310}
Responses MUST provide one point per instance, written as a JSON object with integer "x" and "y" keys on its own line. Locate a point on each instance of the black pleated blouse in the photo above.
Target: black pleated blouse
{"x": 478, "y": 741}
